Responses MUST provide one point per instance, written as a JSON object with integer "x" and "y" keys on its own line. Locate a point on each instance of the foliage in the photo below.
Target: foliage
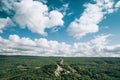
{"x": 43, "y": 68}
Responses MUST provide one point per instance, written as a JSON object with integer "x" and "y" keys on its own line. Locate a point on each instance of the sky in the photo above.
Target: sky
{"x": 68, "y": 28}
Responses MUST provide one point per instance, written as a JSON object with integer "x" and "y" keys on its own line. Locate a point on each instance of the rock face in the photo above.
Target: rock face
{"x": 62, "y": 70}
{"x": 58, "y": 71}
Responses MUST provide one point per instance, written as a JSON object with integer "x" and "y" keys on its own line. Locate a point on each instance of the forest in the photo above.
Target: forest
{"x": 59, "y": 68}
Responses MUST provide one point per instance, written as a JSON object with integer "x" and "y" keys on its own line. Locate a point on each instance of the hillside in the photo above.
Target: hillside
{"x": 57, "y": 68}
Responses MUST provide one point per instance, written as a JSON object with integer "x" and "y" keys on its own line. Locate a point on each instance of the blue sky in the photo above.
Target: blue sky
{"x": 63, "y": 21}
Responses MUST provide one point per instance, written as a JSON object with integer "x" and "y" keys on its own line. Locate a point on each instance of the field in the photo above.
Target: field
{"x": 73, "y": 68}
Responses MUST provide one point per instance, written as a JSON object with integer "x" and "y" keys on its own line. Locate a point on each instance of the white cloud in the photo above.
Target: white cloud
{"x": 117, "y": 5}
{"x": 7, "y": 6}
{"x": 113, "y": 49}
{"x": 36, "y": 16}
{"x": 69, "y": 14}
{"x": 4, "y": 22}
{"x": 90, "y": 19}
{"x": 96, "y": 47}
{"x": 64, "y": 8}
{"x": 43, "y": 1}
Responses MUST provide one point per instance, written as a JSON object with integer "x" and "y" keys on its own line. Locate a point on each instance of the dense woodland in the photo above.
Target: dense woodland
{"x": 44, "y": 68}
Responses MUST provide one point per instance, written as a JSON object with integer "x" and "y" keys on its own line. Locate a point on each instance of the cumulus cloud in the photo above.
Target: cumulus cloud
{"x": 96, "y": 47}
{"x": 4, "y": 22}
{"x": 36, "y": 16}
{"x": 6, "y": 6}
{"x": 117, "y": 6}
{"x": 91, "y": 17}
{"x": 64, "y": 8}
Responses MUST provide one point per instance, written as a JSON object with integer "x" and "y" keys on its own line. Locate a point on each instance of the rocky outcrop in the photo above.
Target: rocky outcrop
{"x": 71, "y": 69}
{"x": 58, "y": 71}
{"x": 61, "y": 69}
